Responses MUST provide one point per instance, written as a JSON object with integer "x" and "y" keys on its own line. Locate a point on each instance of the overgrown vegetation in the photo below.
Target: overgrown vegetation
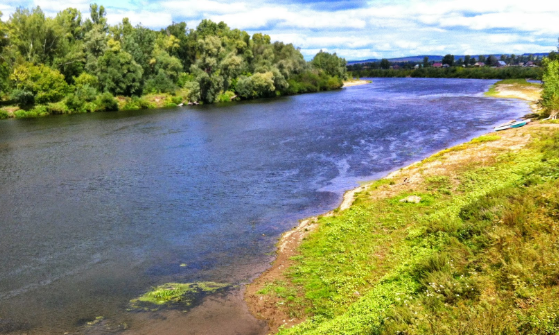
{"x": 478, "y": 254}
{"x": 67, "y": 64}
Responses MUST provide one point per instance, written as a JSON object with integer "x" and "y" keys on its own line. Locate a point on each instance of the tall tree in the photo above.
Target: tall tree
{"x": 467, "y": 59}
{"x": 448, "y": 59}
{"x": 118, "y": 73}
{"x": 384, "y": 64}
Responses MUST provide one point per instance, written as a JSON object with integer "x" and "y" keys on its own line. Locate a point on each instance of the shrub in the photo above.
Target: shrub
{"x": 20, "y": 114}
{"x": 139, "y": 103}
{"x": 46, "y": 84}
{"x": 39, "y": 111}
{"x": 106, "y": 102}
{"x": 4, "y": 114}
{"x": 57, "y": 108}
{"x": 22, "y": 97}
{"x": 226, "y": 96}
{"x": 161, "y": 83}
{"x": 75, "y": 103}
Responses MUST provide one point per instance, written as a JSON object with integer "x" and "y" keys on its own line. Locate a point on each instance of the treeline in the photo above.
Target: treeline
{"x": 455, "y": 72}
{"x": 69, "y": 64}
{"x": 451, "y": 60}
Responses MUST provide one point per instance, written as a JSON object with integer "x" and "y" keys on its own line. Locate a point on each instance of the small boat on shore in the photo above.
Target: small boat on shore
{"x": 512, "y": 124}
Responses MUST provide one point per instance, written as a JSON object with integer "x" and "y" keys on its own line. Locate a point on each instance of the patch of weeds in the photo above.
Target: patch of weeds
{"x": 440, "y": 184}
{"x": 486, "y": 138}
{"x": 183, "y": 294}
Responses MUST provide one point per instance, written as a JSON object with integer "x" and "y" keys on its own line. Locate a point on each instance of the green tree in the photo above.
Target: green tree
{"x": 36, "y": 37}
{"x": 44, "y": 83}
{"x": 331, "y": 64}
{"x": 492, "y": 60}
{"x": 550, "y": 92}
{"x": 384, "y": 64}
{"x": 448, "y": 59}
{"x": 118, "y": 73}
{"x": 426, "y": 62}
{"x": 467, "y": 60}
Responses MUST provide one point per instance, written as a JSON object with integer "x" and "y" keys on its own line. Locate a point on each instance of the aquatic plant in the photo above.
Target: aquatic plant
{"x": 178, "y": 293}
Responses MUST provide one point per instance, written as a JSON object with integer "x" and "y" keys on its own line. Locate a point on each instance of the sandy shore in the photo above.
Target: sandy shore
{"x": 268, "y": 308}
{"x": 356, "y": 83}
{"x": 531, "y": 94}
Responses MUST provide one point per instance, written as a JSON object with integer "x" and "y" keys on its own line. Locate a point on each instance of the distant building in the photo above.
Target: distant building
{"x": 530, "y": 64}
{"x": 437, "y": 64}
{"x": 501, "y": 64}
{"x": 416, "y": 66}
{"x": 479, "y": 64}
{"x": 446, "y": 65}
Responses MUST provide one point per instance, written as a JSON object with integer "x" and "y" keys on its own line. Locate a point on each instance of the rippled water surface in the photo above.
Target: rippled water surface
{"x": 95, "y": 209}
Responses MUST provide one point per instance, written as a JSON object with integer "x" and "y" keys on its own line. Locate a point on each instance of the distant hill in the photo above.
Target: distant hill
{"x": 436, "y": 58}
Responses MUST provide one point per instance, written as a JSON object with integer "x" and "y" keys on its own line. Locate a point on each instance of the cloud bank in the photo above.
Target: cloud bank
{"x": 354, "y": 29}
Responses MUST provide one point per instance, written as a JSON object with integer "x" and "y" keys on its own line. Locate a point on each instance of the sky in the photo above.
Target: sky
{"x": 354, "y": 29}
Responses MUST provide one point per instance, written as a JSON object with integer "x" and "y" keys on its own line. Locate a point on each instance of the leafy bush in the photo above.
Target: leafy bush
{"x": 22, "y": 97}
{"x": 4, "y": 114}
{"x": 161, "y": 83}
{"x": 46, "y": 84}
{"x": 57, "y": 108}
{"x": 226, "y": 96}
{"x": 135, "y": 103}
{"x": 20, "y": 114}
{"x": 86, "y": 79}
{"x": 550, "y": 94}
{"x": 75, "y": 103}
{"x": 39, "y": 111}
{"x": 106, "y": 103}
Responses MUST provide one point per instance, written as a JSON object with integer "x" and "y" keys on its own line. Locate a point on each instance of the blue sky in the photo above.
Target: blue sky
{"x": 354, "y": 29}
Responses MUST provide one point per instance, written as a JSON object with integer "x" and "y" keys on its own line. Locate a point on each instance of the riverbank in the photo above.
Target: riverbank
{"x": 517, "y": 89}
{"x": 388, "y": 263}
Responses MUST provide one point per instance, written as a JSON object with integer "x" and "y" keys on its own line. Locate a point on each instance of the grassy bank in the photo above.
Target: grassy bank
{"x": 477, "y": 254}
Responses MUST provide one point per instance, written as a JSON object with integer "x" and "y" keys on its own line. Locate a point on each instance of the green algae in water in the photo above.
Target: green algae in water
{"x": 177, "y": 293}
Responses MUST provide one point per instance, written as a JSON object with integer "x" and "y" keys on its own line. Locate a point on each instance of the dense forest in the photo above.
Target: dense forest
{"x": 68, "y": 64}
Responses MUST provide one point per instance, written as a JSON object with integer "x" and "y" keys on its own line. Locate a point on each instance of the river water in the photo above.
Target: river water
{"x": 97, "y": 208}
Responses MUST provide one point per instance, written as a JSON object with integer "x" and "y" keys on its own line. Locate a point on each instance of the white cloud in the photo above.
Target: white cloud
{"x": 146, "y": 18}
{"x": 386, "y": 29}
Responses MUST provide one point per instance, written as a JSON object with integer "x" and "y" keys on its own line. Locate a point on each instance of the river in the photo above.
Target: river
{"x": 97, "y": 208}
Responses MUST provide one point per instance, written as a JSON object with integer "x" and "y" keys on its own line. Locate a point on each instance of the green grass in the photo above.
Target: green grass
{"x": 463, "y": 146}
{"x": 479, "y": 254}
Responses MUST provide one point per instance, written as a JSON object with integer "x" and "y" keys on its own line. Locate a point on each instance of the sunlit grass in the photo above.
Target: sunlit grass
{"x": 477, "y": 255}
